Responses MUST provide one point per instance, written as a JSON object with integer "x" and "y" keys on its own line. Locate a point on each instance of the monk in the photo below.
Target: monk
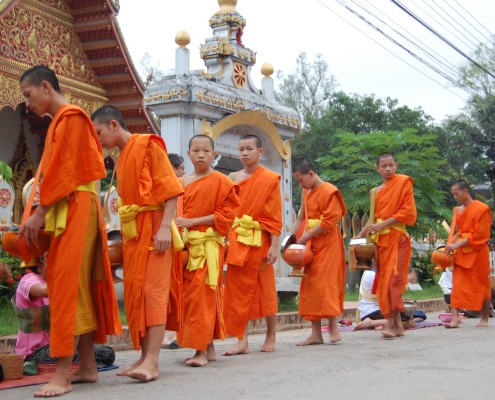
{"x": 394, "y": 209}
{"x": 471, "y": 284}
{"x": 83, "y": 306}
{"x": 210, "y": 202}
{"x": 323, "y": 285}
{"x": 250, "y": 291}
{"x": 170, "y": 338}
{"x": 148, "y": 190}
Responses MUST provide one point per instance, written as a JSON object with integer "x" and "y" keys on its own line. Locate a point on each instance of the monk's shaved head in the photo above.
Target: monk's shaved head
{"x": 108, "y": 113}
{"x": 255, "y": 138}
{"x": 303, "y": 166}
{"x": 38, "y": 74}
{"x": 384, "y": 155}
{"x": 201, "y": 137}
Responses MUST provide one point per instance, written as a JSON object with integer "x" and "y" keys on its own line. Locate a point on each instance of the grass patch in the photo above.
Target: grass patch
{"x": 8, "y": 320}
{"x": 288, "y": 304}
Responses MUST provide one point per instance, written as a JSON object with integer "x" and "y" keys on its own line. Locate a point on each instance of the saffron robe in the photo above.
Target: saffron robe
{"x": 250, "y": 291}
{"x": 471, "y": 282}
{"x": 72, "y": 157}
{"x": 146, "y": 179}
{"x": 395, "y": 199}
{"x": 323, "y": 285}
{"x": 203, "y": 318}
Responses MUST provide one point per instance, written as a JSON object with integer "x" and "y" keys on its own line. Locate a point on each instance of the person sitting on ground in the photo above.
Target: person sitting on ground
{"x": 32, "y": 310}
{"x": 412, "y": 281}
{"x": 368, "y": 311}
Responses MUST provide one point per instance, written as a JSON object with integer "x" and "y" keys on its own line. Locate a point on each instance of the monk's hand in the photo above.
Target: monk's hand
{"x": 182, "y": 222}
{"x": 449, "y": 249}
{"x": 374, "y": 228}
{"x": 271, "y": 256}
{"x": 303, "y": 239}
{"x": 31, "y": 227}
{"x": 163, "y": 239}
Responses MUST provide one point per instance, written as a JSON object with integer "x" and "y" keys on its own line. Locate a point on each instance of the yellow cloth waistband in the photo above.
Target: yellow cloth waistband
{"x": 248, "y": 231}
{"x": 56, "y": 217}
{"x": 203, "y": 248}
{"x": 128, "y": 214}
{"x": 313, "y": 223}
{"x": 398, "y": 227}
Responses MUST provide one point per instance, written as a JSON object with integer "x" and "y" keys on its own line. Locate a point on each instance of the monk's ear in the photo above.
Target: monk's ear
{"x": 260, "y": 150}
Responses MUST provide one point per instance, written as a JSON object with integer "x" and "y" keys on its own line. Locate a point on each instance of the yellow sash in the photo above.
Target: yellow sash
{"x": 312, "y": 223}
{"x": 128, "y": 213}
{"x": 248, "y": 231}
{"x": 398, "y": 227}
{"x": 56, "y": 217}
{"x": 203, "y": 248}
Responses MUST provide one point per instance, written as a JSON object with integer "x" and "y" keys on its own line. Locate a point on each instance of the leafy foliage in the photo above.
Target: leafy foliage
{"x": 350, "y": 164}
{"x": 8, "y": 284}
{"x": 5, "y": 171}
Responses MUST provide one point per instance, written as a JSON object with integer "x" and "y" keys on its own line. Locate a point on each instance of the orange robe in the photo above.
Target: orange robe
{"x": 322, "y": 288}
{"x": 471, "y": 282}
{"x": 146, "y": 178}
{"x": 73, "y": 157}
{"x": 203, "y": 319}
{"x": 395, "y": 199}
{"x": 250, "y": 291}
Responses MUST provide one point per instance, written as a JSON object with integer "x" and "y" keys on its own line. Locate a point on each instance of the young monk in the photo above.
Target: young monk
{"x": 250, "y": 291}
{"x": 148, "y": 190}
{"x": 83, "y": 307}
{"x": 471, "y": 284}
{"x": 323, "y": 284}
{"x": 170, "y": 338}
{"x": 394, "y": 208}
{"x": 210, "y": 203}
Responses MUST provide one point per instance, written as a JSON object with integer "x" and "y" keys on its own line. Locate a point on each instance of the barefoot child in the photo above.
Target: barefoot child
{"x": 394, "y": 208}
{"x": 83, "y": 306}
{"x": 148, "y": 190}
{"x": 323, "y": 285}
{"x": 471, "y": 283}
{"x": 250, "y": 291}
{"x": 210, "y": 203}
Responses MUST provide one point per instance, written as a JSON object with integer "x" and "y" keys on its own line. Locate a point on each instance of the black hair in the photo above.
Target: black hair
{"x": 303, "y": 166}
{"x": 256, "y": 139}
{"x": 175, "y": 159}
{"x": 36, "y": 75}
{"x": 106, "y": 114}
{"x": 384, "y": 155}
{"x": 201, "y": 137}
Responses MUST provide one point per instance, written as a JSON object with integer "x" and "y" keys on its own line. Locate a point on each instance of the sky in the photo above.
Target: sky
{"x": 363, "y": 63}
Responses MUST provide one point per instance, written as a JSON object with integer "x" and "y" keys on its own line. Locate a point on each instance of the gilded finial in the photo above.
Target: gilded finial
{"x": 267, "y": 69}
{"x": 182, "y": 38}
{"x": 227, "y": 5}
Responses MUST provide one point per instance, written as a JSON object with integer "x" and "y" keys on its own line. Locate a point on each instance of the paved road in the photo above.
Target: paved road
{"x": 431, "y": 363}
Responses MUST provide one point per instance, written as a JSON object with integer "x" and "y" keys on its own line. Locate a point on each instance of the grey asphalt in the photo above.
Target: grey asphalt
{"x": 429, "y": 363}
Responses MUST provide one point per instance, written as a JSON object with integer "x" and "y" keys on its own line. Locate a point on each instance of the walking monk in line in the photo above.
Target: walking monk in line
{"x": 148, "y": 190}
{"x": 471, "y": 284}
{"x": 394, "y": 209}
{"x": 83, "y": 307}
{"x": 317, "y": 225}
{"x": 210, "y": 202}
{"x": 250, "y": 291}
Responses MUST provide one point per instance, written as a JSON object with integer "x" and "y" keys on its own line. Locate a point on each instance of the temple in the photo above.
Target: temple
{"x": 224, "y": 103}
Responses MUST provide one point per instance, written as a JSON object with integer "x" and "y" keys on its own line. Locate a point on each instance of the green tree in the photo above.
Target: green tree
{"x": 5, "y": 171}
{"x": 350, "y": 164}
{"x": 481, "y": 104}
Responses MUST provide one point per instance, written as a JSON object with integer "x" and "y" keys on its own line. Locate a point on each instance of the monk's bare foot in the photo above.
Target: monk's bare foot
{"x": 241, "y": 347}
{"x": 335, "y": 336}
{"x": 58, "y": 386}
{"x": 452, "y": 324}
{"x": 387, "y": 335}
{"x": 398, "y": 332}
{"x": 200, "y": 359}
{"x": 211, "y": 354}
{"x": 483, "y": 323}
{"x": 311, "y": 340}
{"x": 83, "y": 375}
{"x": 125, "y": 372}
{"x": 145, "y": 373}
{"x": 269, "y": 345}
{"x": 364, "y": 324}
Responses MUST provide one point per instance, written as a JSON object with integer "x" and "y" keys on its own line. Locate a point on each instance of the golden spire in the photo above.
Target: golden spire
{"x": 227, "y": 5}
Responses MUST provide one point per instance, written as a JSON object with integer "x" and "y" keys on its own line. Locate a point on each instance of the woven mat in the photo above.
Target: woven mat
{"x": 39, "y": 379}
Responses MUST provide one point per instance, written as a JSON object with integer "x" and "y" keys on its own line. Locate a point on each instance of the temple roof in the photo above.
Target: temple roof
{"x": 96, "y": 26}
